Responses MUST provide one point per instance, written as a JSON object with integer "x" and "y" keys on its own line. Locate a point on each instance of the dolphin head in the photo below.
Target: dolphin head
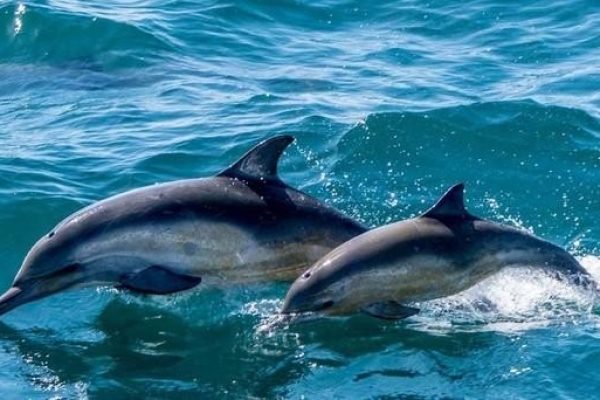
{"x": 317, "y": 290}
{"x": 336, "y": 284}
{"x": 50, "y": 266}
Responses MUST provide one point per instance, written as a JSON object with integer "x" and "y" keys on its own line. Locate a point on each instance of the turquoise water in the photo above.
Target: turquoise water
{"x": 390, "y": 102}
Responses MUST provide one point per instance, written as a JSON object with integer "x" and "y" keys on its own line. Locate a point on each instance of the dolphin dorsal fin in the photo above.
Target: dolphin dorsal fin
{"x": 261, "y": 161}
{"x": 450, "y": 205}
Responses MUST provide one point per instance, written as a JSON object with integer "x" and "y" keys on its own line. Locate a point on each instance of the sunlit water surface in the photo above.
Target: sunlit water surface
{"x": 391, "y": 103}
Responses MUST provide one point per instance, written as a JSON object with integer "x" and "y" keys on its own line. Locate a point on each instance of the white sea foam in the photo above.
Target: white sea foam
{"x": 514, "y": 300}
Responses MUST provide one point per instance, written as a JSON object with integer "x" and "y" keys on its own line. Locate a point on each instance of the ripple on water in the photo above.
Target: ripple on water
{"x": 392, "y": 102}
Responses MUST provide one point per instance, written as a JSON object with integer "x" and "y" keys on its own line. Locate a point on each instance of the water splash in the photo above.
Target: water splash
{"x": 514, "y": 300}
{"x": 18, "y": 23}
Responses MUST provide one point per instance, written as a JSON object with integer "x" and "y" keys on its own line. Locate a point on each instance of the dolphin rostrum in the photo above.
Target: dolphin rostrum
{"x": 442, "y": 252}
{"x": 242, "y": 225}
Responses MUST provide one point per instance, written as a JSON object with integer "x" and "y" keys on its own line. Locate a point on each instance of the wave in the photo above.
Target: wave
{"x": 493, "y": 148}
{"x": 38, "y": 34}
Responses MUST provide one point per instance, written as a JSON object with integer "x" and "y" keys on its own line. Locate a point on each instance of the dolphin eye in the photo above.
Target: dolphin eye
{"x": 306, "y": 275}
{"x": 324, "y": 306}
{"x": 51, "y": 234}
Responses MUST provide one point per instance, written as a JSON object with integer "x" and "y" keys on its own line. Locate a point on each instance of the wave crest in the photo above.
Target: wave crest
{"x": 37, "y": 34}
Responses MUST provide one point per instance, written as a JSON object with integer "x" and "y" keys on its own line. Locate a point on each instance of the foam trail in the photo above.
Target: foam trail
{"x": 592, "y": 264}
{"x": 514, "y": 299}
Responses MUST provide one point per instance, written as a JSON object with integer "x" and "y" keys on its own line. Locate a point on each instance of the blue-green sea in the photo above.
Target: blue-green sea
{"x": 391, "y": 102}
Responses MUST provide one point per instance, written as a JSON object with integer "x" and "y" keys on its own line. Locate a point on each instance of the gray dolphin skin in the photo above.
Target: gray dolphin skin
{"x": 242, "y": 225}
{"x": 442, "y": 252}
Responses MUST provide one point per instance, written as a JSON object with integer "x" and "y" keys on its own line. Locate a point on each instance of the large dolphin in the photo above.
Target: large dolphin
{"x": 242, "y": 225}
{"x": 444, "y": 251}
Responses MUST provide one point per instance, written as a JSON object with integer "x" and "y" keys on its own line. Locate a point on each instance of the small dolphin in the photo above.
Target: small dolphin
{"x": 243, "y": 225}
{"x": 442, "y": 252}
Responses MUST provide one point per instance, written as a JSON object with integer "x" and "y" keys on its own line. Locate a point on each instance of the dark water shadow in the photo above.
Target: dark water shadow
{"x": 360, "y": 335}
{"x": 135, "y": 348}
{"x": 143, "y": 350}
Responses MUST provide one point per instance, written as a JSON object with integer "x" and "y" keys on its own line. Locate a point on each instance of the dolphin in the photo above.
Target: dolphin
{"x": 442, "y": 252}
{"x": 243, "y": 225}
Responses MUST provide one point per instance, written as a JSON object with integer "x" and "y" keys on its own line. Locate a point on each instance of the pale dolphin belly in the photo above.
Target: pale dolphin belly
{"x": 426, "y": 277}
{"x": 218, "y": 252}
{"x": 421, "y": 278}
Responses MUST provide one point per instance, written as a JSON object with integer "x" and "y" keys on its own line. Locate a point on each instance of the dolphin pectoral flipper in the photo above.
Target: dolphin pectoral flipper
{"x": 158, "y": 280}
{"x": 390, "y": 310}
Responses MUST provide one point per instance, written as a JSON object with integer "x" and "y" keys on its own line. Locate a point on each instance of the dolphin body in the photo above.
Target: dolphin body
{"x": 242, "y": 225}
{"x": 442, "y": 252}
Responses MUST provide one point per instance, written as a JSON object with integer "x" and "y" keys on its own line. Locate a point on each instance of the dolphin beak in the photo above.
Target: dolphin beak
{"x": 292, "y": 303}
{"x": 289, "y": 308}
{"x": 33, "y": 289}
{"x": 22, "y": 294}
{"x": 296, "y": 302}
{"x": 12, "y": 298}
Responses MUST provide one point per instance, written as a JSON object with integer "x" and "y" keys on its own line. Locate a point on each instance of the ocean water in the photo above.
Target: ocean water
{"x": 391, "y": 103}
